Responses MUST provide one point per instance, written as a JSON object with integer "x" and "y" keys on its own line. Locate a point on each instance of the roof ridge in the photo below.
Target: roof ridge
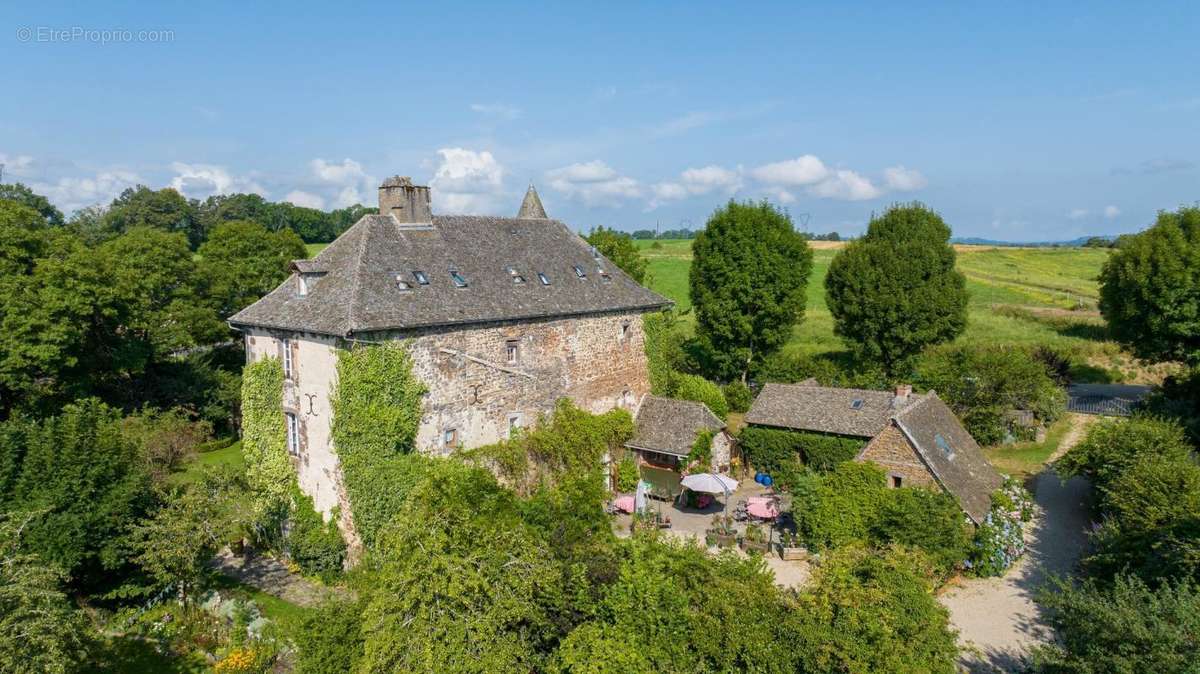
{"x": 917, "y": 401}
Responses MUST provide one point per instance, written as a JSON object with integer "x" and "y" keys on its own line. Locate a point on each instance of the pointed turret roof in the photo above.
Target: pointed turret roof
{"x": 531, "y": 207}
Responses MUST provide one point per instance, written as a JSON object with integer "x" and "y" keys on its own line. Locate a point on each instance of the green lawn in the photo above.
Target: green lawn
{"x": 1056, "y": 279}
{"x": 229, "y": 456}
{"x": 1023, "y": 459}
{"x": 314, "y": 248}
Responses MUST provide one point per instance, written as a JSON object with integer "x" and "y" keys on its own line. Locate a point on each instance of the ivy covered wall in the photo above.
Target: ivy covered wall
{"x": 264, "y": 437}
{"x": 376, "y": 413}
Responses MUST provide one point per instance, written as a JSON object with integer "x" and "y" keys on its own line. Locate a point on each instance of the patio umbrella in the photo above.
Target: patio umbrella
{"x": 639, "y": 498}
{"x": 709, "y": 483}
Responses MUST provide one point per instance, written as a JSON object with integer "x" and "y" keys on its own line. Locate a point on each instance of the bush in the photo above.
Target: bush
{"x": 699, "y": 389}
{"x": 165, "y": 439}
{"x": 314, "y": 544}
{"x": 1112, "y": 445}
{"x": 627, "y": 473}
{"x": 840, "y": 507}
{"x": 775, "y": 452}
{"x": 1126, "y": 628}
{"x": 931, "y": 521}
{"x": 738, "y": 396}
{"x": 983, "y": 383}
{"x": 1000, "y": 539}
{"x": 330, "y": 639}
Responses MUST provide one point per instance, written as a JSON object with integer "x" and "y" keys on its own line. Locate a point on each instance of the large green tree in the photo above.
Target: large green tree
{"x": 747, "y": 282}
{"x": 23, "y": 195}
{"x": 895, "y": 291}
{"x": 242, "y": 261}
{"x": 1150, "y": 289}
{"x": 618, "y": 247}
{"x": 164, "y": 209}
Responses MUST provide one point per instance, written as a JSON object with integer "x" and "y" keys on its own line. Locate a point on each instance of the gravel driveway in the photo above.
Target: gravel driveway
{"x": 996, "y": 617}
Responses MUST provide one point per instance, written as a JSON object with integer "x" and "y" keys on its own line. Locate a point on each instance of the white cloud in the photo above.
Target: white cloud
{"x": 346, "y": 183}
{"x": 901, "y": 179}
{"x": 847, "y": 186}
{"x": 685, "y": 123}
{"x": 466, "y": 181}
{"x": 1111, "y": 212}
{"x": 497, "y": 110}
{"x": 696, "y": 181}
{"x": 18, "y": 166}
{"x": 305, "y": 199}
{"x": 71, "y": 194}
{"x": 1078, "y": 213}
{"x": 669, "y": 191}
{"x": 594, "y": 183}
{"x": 203, "y": 180}
{"x": 804, "y": 170}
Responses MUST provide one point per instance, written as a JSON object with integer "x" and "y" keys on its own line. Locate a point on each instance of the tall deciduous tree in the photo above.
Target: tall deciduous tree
{"x": 618, "y": 247}
{"x": 1150, "y": 289}
{"x": 163, "y": 209}
{"x": 895, "y": 291}
{"x": 748, "y": 278}
{"x": 23, "y": 195}
{"x": 242, "y": 261}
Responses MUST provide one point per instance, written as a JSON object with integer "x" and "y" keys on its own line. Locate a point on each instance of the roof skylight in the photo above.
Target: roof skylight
{"x": 579, "y": 272}
{"x": 402, "y": 284}
{"x": 516, "y": 278}
{"x": 856, "y": 404}
{"x": 421, "y": 278}
{"x": 459, "y": 281}
{"x": 943, "y": 445}
{"x": 543, "y": 278}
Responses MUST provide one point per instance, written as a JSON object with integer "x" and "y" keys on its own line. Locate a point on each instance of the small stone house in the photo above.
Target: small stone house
{"x": 665, "y": 432}
{"x": 502, "y": 317}
{"x": 916, "y": 439}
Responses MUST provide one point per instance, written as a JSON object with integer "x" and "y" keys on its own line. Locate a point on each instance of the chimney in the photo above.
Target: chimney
{"x": 903, "y": 391}
{"x": 401, "y": 199}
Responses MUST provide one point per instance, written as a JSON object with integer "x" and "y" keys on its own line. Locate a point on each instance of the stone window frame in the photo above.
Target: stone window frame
{"x": 626, "y": 326}
{"x": 450, "y": 439}
{"x": 287, "y": 359}
{"x": 294, "y": 439}
{"x": 512, "y": 351}
{"x": 516, "y": 421}
{"x": 895, "y": 480}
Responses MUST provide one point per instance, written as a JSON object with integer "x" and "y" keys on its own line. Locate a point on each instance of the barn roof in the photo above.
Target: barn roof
{"x": 670, "y": 426}
{"x": 807, "y": 407}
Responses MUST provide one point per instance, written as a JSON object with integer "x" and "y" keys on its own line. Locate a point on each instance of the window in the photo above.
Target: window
{"x": 626, "y": 399}
{"x": 896, "y": 481}
{"x": 450, "y": 438}
{"x": 579, "y": 272}
{"x": 516, "y": 278}
{"x": 943, "y": 446}
{"x": 459, "y": 281}
{"x": 302, "y": 284}
{"x": 625, "y": 330}
{"x": 287, "y": 359}
{"x": 514, "y": 424}
{"x": 856, "y": 404}
{"x": 422, "y": 279}
{"x": 543, "y": 278}
{"x": 402, "y": 284}
{"x": 511, "y": 350}
{"x": 293, "y": 434}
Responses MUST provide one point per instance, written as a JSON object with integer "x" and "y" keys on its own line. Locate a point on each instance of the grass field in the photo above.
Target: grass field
{"x": 1017, "y": 296}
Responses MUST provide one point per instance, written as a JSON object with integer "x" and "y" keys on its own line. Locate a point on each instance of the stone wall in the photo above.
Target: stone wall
{"x": 892, "y": 452}
{"x": 722, "y": 450}
{"x": 598, "y": 361}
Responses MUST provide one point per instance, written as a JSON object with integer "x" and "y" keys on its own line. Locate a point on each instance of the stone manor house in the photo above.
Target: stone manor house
{"x": 504, "y": 317}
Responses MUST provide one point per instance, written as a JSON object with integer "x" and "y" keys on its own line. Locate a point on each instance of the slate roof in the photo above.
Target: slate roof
{"x": 963, "y": 470}
{"x": 807, "y": 407}
{"x": 671, "y": 426}
{"x": 359, "y": 292}
{"x": 531, "y": 206}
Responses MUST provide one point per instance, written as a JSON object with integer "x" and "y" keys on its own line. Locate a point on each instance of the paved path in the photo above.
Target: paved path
{"x": 997, "y": 618}
{"x": 271, "y": 576}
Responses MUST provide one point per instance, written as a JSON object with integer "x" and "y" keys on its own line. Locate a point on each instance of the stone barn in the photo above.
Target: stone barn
{"x": 666, "y": 429}
{"x": 503, "y": 317}
{"x": 916, "y": 439}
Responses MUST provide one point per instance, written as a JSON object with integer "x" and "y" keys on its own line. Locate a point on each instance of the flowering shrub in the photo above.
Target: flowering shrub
{"x": 1000, "y": 539}
{"x": 239, "y": 660}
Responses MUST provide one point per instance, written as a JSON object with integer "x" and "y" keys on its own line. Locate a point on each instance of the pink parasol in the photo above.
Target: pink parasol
{"x": 624, "y": 503}
{"x": 763, "y": 510}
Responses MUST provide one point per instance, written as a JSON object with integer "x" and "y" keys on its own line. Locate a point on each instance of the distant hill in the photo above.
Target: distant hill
{"x": 976, "y": 241}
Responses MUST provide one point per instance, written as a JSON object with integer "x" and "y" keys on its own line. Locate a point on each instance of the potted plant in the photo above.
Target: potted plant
{"x": 755, "y": 539}
{"x": 790, "y": 547}
{"x": 721, "y": 533}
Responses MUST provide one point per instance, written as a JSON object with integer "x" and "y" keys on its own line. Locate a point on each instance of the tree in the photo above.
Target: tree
{"x": 747, "y": 282}
{"x": 1150, "y": 289}
{"x": 1126, "y": 628}
{"x": 242, "y": 261}
{"x": 619, "y": 249}
{"x": 26, "y": 197}
{"x": 39, "y": 630}
{"x": 895, "y": 291}
{"x": 164, "y": 209}
{"x": 1112, "y": 445}
{"x": 175, "y": 543}
{"x": 86, "y": 479}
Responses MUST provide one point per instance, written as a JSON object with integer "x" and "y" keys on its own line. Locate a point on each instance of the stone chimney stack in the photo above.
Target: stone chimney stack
{"x": 401, "y": 199}
{"x": 903, "y": 391}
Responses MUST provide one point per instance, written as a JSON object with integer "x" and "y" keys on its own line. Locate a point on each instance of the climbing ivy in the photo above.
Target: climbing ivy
{"x": 264, "y": 434}
{"x": 376, "y": 413}
{"x": 699, "y": 460}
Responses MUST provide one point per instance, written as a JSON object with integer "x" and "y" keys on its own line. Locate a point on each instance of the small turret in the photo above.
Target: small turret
{"x": 531, "y": 207}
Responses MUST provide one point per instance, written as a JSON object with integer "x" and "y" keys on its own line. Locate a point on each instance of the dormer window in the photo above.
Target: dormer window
{"x": 543, "y": 278}
{"x": 595, "y": 253}
{"x": 421, "y": 278}
{"x": 579, "y": 272}
{"x": 516, "y": 278}
{"x": 459, "y": 280}
{"x": 301, "y": 284}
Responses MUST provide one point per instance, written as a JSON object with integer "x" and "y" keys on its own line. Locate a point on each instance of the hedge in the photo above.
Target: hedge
{"x": 782, "y": 453}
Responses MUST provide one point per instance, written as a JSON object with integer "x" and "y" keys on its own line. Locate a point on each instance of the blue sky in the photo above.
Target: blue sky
{"x": 1037, "y": 122}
